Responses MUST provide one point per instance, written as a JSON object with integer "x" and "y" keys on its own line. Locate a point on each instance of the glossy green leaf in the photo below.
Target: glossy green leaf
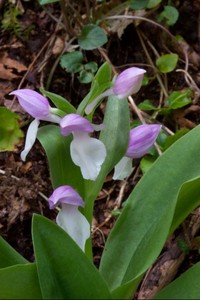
{"x": 72, "y": 62}
{"x": 92, "y": 37}
{"x": 178, "y": 99}
{"x": 10, "y": 133}
{"x": 188, "y": 200}
{"x": 60, "y": 102}
{"x": 136, "y": 240}
{"x": 100, "y": 83}
{"x": 19, "y": 282}
{"x": 9, "y": 256}
{"x": 167, "y": 62}
{"x": 64, "y": 271}
{"x": 170, "y": 14}
{"x": 62, "y": 169}
{"x": 186, "y": 286}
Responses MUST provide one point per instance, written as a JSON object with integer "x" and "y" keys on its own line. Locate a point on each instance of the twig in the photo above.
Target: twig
{"x": 51, "y": 73}
{"x": 151, "y": 62}
{"x": 136, "y": 109}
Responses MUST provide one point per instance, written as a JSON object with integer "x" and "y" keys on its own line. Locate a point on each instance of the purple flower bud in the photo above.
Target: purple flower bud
{"x": 128, "y": 82}
{"x": 74, "y": 123}
{"x": 141, "y": 139}
{"x": 33, "y": 103}
{"x": 65, "y": 194}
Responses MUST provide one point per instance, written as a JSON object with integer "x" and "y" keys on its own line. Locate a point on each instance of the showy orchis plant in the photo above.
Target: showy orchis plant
{"x": 79, "y": 164}
{"x": 87, "y": 152}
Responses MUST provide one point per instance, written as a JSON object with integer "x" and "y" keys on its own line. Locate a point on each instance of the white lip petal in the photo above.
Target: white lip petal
{"x": 89, "y": 154}
{"x": 74, "y": 223}
{"x": 30, "y": 138}
{"x": 123, "y": 168}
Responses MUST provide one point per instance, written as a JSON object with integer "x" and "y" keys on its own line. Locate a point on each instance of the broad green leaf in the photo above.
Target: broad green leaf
{"x": 179, "y": 99}
{"x": 124, "y": 291}
{"x": 62, "y": 169}
{"x": 138, "y": 4}
{"x": 10, "y": 133}
{"x": 92, "y": 37}
{"x": 167, "y": 62}
{"x": 72, "y": 62}
{"x": 188, "y": 200}
{"x": 19, "y": 282}
{"x": 170, "y": 14}
{"x": 186, "y": 286}
{"x": 60, "y": 102}
{"x": 136, "y": 240}
{"x": 115, "y": 136}
{"x": 43, "y": 2}
{"x": 64, "y": 271}
{"x": 100, "y": 83}
{"x": 9, "y": 256}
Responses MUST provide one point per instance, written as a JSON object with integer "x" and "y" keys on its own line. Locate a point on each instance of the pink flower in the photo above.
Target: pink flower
{"x": 38, "y": 107}
{"x": 69, "y": 216}
{"x": 128, "y": 82}
{"x": 86, "y": 152}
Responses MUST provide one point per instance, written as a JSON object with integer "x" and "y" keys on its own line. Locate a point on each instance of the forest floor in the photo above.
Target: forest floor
{"x": 29, "y": 50}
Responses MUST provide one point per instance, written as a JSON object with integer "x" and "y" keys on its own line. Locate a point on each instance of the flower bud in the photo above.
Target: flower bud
{"x": 33, "y": 103}
{"x": 128, "y": 82}
{"x": 141, "y": 139}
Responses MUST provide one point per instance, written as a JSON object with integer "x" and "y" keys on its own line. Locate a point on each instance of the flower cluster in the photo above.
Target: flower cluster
{"x": 87, "y": 152}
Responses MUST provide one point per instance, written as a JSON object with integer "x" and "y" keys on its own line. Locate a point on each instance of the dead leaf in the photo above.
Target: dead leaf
{"x": 12, "y": 63}
{"x": 6, "y": 74}
{"x": 8, "y": 65}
